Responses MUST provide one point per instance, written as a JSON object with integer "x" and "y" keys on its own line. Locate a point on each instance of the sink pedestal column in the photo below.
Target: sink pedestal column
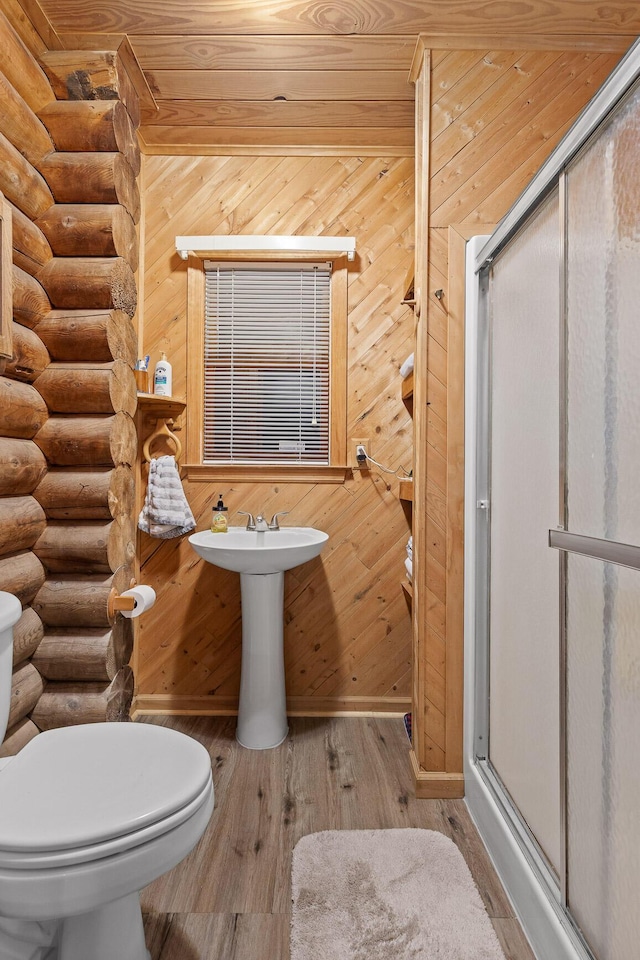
{"x": 262, "y": 712}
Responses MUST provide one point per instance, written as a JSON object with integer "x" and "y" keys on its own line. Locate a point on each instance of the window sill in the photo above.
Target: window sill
{"x": 269, "y": 473}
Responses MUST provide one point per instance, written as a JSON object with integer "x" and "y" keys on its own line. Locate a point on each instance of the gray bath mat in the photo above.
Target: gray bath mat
{"x": 386, "y": 895}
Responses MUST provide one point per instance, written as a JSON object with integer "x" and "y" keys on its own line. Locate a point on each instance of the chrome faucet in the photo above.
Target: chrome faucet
{"x": 251, "y": 524}
{"x": 274, "y": 525}
{"x": 259, "y": 523}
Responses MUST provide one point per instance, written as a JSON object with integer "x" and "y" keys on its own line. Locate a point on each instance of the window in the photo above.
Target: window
{"x": 267, "y": 363}
{"x": 267, "y": 347}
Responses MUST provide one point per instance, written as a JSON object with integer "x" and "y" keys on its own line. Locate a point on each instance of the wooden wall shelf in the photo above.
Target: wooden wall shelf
{"x": 406, "y": 490}
{"x": 409, "y": 287}
{"x": 160, "y": 408}
{"x": 407, "y": 387}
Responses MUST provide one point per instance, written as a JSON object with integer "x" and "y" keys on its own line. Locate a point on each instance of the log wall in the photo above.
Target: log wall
{"x": 67, "y": 395}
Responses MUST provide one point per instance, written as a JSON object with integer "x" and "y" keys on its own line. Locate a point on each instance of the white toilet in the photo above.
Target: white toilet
{"x": 89, "y": 815}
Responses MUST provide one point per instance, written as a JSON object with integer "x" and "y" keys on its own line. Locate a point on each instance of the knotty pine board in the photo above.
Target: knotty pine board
{"x": 285, "y": 17}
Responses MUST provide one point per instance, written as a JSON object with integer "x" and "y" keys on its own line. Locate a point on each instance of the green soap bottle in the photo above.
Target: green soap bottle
{"x": 218, "y": 520}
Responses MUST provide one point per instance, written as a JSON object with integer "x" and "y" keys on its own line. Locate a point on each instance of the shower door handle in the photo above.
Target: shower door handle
{"x": 610, "y": 551}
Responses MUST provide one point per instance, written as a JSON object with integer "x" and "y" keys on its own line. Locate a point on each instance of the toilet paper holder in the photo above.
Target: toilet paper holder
{"x": 131, "y": 603}
{"x": 118, "y": 602}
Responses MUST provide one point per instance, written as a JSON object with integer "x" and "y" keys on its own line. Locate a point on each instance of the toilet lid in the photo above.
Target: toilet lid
{"x": 91, "y": 783}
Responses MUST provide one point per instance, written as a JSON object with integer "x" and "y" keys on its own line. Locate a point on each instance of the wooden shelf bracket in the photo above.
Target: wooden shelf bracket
{"x": 163, "y": 411}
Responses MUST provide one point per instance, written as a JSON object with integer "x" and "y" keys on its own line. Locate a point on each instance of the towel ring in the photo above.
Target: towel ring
{"x": 162, "y": 431}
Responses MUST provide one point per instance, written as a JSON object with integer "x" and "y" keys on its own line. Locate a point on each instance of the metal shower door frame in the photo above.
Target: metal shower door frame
{"x": 552, "y": 174}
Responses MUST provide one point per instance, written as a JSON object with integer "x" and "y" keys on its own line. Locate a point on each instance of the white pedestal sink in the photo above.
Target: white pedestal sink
{"x": 261, "y": 559}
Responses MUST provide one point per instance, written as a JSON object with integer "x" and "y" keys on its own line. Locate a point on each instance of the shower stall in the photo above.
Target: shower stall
{"x": 552, "y": 596}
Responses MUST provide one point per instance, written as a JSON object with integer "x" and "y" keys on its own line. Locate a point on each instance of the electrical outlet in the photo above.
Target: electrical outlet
{"x": 355, "y": 443}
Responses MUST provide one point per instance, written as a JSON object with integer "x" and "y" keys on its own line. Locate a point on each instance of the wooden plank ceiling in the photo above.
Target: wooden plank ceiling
{"x": 287, "y": 76}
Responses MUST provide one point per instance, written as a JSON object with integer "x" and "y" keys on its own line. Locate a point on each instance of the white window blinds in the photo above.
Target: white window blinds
{"x": 267, "y": 363}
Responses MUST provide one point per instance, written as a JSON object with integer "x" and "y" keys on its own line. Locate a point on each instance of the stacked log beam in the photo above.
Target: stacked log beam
{"x": 23, "y": 412}
{"x": 21, "y": 183}
{"x": 88, "y": 441}
{"x": 64, "y": 704}
{"x": 95, "y": 230}
{"x": 31, "y": 249}
{"x": 89, "y": 654}
{"x": 104, "y": 177}
{"x": 69, "y": 160}
{"x": 86, "y": 494}
{"x": 27, "y": 637}
{"x": 30, "y": 302}
{"x": 89, "y": 125}
{"x": 22, "y": 467}
{"x": 96, "y": 336}
{"x": 30, "y": 356}
{"x": 26, "y": 76}
{"x": 22, "y": 521}
{"x": 18, "y": 736}
{"x": 21, "y": 126}
{"x": 89, "y": 388}
{"x": 23, "y": 575}
{"x": 92, "y": 282}
{"x": 102, "y": 75}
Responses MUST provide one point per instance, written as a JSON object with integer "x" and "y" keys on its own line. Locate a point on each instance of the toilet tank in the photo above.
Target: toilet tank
{"x": 10, "y": 613}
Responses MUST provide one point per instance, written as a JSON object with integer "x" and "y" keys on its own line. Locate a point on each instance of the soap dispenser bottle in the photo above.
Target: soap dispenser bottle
{"x": 218, "y": 519}
{"x": 162, "y": 377}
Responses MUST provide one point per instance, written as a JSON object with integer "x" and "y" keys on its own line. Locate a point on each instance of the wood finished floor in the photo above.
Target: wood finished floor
{"x": 230, "y": 899}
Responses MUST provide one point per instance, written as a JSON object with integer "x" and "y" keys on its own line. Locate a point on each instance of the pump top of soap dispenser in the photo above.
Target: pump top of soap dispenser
{"x": 220, "y": 505}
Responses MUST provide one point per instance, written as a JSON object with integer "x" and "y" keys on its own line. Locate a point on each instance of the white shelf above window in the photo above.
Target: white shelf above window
{"x": 250, "y": 246}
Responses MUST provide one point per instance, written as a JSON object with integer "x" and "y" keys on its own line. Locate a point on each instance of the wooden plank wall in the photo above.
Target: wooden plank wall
{"x": 495, "y": 115}
{"x": 348, "y": 631}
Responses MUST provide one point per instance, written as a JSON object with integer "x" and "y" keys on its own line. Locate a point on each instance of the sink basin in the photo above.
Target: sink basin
{"x": 249, "y": 551}
{"x": 261, "y": 559}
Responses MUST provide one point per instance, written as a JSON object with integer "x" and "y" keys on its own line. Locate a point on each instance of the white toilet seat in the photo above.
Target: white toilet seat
{"x": 77, "y": 794}
{"x": 65, "y": 891}
{"x": 51, "y": 859}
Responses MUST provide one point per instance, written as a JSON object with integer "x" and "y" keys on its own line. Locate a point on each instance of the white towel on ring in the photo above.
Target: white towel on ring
{"x": 408, "y": 565}
{"x": 166, "y": 512}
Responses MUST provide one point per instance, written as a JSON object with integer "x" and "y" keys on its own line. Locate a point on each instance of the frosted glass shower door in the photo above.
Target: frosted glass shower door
{"x": 603, "y": 775}
{"x": 603, "y": 502}
{"x": 524, "y": 615}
